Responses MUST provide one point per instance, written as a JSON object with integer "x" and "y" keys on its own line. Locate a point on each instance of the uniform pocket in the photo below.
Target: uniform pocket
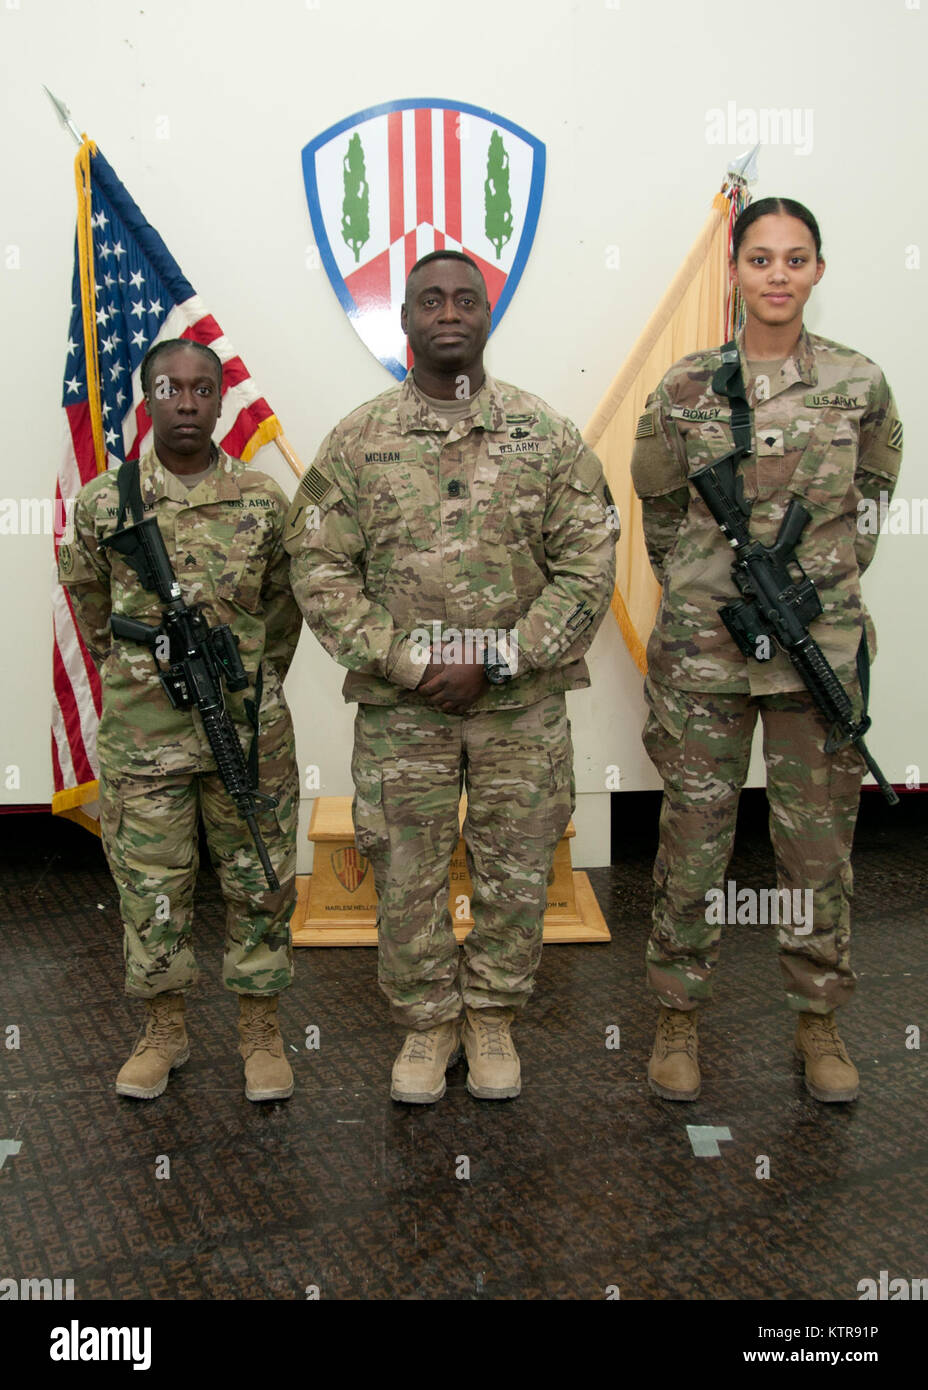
{"x": 845, "y": 776}
{"x": 246, "y": 557}
{"x": 562, "y": 799}
{"x": 421, "y": 792}
{"x": 367, "y": 807}
{"x": 111, "y": 809}
{"x": 824, "y": 474}
{"x": 667, "y": 707}
{"x": 403, "y": 511}
{"x": 664, "y": 734}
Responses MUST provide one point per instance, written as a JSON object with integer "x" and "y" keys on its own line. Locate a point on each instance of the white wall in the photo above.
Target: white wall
{"x": 619, "y": 93}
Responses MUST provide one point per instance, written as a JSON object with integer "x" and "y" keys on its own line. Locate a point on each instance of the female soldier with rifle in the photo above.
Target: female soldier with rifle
{"x": 750, "y": 461}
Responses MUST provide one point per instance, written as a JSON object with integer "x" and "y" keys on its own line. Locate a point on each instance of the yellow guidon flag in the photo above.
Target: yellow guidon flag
{"x": 696, "y": 312}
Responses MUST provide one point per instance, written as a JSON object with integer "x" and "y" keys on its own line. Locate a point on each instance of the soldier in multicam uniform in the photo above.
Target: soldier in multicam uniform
{"x": 448, "y": 509}
{"x": 825, "y": 431}
{"x": 222, "y": 524}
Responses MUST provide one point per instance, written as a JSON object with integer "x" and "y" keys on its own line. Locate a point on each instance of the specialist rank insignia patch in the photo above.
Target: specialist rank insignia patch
{"x": 315, "y": 485}
{"x": 646, "y": 426}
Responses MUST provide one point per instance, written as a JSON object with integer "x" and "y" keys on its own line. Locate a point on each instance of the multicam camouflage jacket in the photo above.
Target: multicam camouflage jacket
{"x": 223, "y": 540}
{"x": 408, "y": 523}
{"x": 825, "y": 430}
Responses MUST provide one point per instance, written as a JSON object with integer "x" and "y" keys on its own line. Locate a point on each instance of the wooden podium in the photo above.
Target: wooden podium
{"x": 337, "y": 903}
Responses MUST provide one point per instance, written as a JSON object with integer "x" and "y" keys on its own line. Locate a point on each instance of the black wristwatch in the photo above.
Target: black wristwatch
{"x": 495, "y": 668}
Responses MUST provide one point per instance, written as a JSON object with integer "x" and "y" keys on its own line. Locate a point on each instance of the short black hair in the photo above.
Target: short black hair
{"x": 764, "y": 208}
{"x": 167, "y": 345}
{"x": 448, "y": 255}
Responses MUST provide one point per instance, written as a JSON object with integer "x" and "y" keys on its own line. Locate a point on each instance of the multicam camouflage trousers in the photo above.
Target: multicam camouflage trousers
{"x": 149, "y": 829}
{"x": 409, "y": 765}
{"x": 701, "y": 746}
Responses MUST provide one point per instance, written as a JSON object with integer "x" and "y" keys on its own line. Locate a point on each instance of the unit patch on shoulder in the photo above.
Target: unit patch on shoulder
{"x": 646, "y": 425}
{"x": 895, "y": 435}
{"x": 65, "y": 559}
{"x": 315, "y": 485}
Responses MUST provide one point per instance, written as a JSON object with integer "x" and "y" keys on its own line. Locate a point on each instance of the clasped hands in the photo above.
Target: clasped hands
{"x": 453, "y": 687}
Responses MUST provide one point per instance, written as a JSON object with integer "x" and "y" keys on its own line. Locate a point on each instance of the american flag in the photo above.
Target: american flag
{"x": 140, "y": 296}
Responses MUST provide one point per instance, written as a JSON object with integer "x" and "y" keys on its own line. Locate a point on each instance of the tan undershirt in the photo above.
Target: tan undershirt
{"x": 451, "y": 410}
{"x": 190, "y": 480}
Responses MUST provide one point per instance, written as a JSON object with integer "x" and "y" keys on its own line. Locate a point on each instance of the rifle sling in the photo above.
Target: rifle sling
{"x": 130, "y": 493}
{"x": 863, "y": 671}
{"x": 729, "y": 382}
{"x": 252, "y": 708}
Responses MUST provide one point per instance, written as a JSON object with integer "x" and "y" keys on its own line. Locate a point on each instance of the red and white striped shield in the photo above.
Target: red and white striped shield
{"x": 396, "y": 181}
{"x": 349, "y": 867}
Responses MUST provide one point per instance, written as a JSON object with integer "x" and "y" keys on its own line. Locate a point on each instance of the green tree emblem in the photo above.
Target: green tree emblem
{"x": 356, "y": 224}
{"x": 497, "y": 201}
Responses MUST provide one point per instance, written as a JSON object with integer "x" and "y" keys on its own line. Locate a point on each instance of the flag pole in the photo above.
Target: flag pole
{"x": 85, "y": 263}
{"x": 280, "y": 439}
{"x": 285, "y": 447}
{"x": 64, "y": 115}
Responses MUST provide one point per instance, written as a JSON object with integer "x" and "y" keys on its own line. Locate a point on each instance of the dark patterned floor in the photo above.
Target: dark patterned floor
{"x": 585, "y": 1184}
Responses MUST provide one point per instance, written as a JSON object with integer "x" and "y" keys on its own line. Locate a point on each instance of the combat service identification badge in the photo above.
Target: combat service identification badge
{"x": 396, "y": 181}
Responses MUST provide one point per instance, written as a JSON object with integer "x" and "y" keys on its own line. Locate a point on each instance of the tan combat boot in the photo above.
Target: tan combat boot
{"x": 419, "y": 1070}
{"x": 830, "y": 1073}
{"x": 673, "y": 1071}
{"x": 267, "y": 1071}
{"x": 162, "y": 1048}
{"x": 493, "y": 1069}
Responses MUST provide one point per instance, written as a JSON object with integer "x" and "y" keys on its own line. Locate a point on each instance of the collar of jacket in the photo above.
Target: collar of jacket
{"x": 416, "y": 414}
{"x": 799, "y": 366}
{"x": 157, "y": 482}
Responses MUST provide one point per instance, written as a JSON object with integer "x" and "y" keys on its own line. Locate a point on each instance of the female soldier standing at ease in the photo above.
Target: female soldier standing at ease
{"x": 824, "y": 429}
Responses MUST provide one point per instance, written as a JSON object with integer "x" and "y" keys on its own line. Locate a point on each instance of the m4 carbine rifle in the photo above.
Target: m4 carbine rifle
{"x": 199, "y": 658}
{"x": 776, "y": 608}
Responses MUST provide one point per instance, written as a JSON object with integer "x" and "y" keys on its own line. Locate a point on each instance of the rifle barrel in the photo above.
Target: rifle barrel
{"x": 273, "y": 882}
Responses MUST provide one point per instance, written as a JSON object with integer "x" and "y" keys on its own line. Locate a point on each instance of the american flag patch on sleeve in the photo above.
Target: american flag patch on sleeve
{"x": 315, "y": 485}
{"x": 646, "y": 425}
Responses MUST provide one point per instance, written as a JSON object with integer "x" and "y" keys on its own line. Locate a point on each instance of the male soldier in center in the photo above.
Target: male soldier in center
{"x": 451, "y": 507}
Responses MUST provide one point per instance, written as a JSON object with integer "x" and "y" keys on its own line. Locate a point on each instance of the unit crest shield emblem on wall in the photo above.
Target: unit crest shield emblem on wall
{"x": 396, "y": 181}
